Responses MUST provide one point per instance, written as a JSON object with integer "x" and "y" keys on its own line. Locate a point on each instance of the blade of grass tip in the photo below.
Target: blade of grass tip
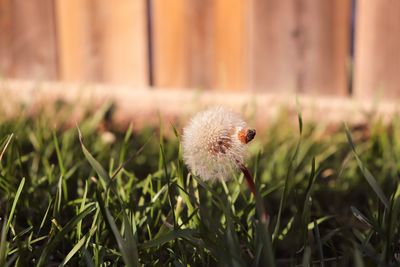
{"x": 366, "y": 173}
{"x": 98, "y": 116}
{"x": 17, "y": 195}
{"x": 124, "y": 146}
{"x": 45, "y": 217}
{"x": 362, "y": 218}
{"x": 299, "y": 115}
{"x": 57, "y": 200}
{"x": 319, "y": 243}
{"x": 66, "y": 229}
{"x": 105, "y": 178}
{"x": 23, "y": 232}
{"x": 6, "y": 145}
{"x": 77, "y": 247}
{"x": 175, "y": 131}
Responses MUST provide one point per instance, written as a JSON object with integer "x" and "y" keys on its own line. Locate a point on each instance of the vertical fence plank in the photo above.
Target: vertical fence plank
{"x": 103, "y": 41}
{"x": 78, "y": 57}
{"x": 123, "y": 41}
{"x": 27, "y": 46}
{"x": 6, "y": 38}
{"x": 170, "y": 31}
{"x": 199, "y": 43}
{"x": 299, "y": 46}
{"x": 377, "y": 56}
{"x": 231, "y": 17}
{"x": 272, "y": 45}
{"x": 323, "y": 46}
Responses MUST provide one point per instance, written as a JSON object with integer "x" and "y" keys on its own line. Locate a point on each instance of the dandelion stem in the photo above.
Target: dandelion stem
{"x": 259, "y": 202}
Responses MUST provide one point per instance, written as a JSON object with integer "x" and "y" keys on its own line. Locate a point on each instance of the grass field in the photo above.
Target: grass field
{"x": 333, "y": 197}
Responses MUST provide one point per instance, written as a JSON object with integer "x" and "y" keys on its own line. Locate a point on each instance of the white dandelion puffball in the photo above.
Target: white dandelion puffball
{"x": 214, "y": 143}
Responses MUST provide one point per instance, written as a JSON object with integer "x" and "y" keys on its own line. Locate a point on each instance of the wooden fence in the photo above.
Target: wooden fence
{"x": 246, "y": 45}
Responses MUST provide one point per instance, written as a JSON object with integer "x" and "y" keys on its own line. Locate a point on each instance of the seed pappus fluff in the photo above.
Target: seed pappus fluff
{"x": 214, "y": 143}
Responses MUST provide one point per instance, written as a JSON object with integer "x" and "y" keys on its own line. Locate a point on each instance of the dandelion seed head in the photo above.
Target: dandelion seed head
{"x": 212, "y": 143}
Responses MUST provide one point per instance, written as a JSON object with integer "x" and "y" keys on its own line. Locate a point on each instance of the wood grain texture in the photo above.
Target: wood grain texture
{"x": 231, "y": 42}
{"x": 300, "y": 46}
{"x": 323, "y": 46}
{"x": 103, "y": 41}
{"x": 199, "y": 43}
{"x": 377, "y": 57}
{"x": 121, "y": 28}
{"x": 78, "y": 56}
{"x": 273, "y": 33}
{"x": 27, "y": 42}
{"x": 170, "y": 66}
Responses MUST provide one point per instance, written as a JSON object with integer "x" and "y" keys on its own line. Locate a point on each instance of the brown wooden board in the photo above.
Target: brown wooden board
{"x": 144, "y": 106}
{"x": 377, "y": 55}
{"x": 103, "y": 41}
{"x": 300, "y": 46}
{"x": 27, "y": 39}
{"x": 199, "y": 43}
{"x": 231, "y": 43}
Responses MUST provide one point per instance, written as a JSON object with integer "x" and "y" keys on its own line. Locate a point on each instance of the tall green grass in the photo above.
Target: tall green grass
{"x": 72, "y": 198}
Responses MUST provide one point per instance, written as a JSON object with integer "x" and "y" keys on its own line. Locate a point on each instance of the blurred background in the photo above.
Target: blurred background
{"x": 341, "y": 47}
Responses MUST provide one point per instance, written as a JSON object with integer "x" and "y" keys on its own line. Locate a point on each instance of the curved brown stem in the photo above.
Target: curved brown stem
{"x": 250, "y": 183}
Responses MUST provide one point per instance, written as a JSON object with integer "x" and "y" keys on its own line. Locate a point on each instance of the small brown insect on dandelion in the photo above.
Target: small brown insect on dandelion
{"x": 246, "y": 135}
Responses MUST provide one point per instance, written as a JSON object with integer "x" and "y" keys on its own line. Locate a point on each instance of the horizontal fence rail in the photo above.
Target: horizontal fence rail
{"x": 67, "y": 103}
{"x": 304, "y": 46}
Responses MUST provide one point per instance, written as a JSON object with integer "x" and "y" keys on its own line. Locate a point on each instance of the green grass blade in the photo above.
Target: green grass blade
{"x": 168, "y": 237}
{"x": 14, "y": 205}
{"x": 6, "y": 145}
{"x": 367, "y": 174}
{"x": 299, "y": 115}
{"x": 128, "y": 248}
{"x": 305, "y": 216}
{"x": 267, "y": 258}
{"x": 307, "y": 257}
{"x": 58, "y": 153}
{"x": 3, "y": 244}
{"x": 285, "y": 192}
{"x": 82, "y": 207}
{"x": 94, "y": 163}
{"x": 319, "y": 244}
{"x": 357, "y": 258}
{"x": 60, "y": 235}
{"x": 77, "y": 247}
{"x": 168, "y": 178}
{"x": 57, "y": 200}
